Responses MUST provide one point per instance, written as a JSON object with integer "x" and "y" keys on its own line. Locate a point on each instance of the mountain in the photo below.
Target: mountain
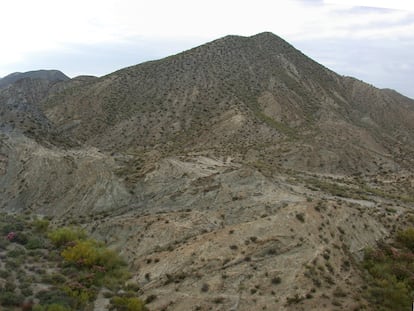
{"x": 237, "y": 94}
{"x": 50, "y": 75}
{"x": 238, "y": 175}
{"x": 20, "y": 94}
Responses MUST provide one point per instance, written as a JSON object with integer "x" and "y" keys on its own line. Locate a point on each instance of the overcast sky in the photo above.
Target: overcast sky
{"x": 372, "y": 40}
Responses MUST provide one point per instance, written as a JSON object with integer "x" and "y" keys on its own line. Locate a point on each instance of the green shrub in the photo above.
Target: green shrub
{"x": 41, "y": 225}
{"x": 390, "y": 282}
{"x": 17, "y": 252}
{"x": 54, "y": 296}
{"x": 4, "y": 243}
{"x": 21, "y": 238}
{"x": 35, "y": 243}
{"x": 12, "y": 224}
{"x": 128, "y": 304}
{"x": 391, "y": 294}
{"x": 10, "y": 298}
{"x": 51, "y": 307}
{"x": 90, "y": 253}
{"x": 80, "y": 295}
{"x": 26, "y": 291}
{"x": 4, "y": 274}
{"x": 57, "y": 307}
{"x": 406, "y": 237}
{"x": 63, "y": 236}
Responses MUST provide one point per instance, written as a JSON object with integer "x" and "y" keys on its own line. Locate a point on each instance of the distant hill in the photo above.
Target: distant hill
{"x": 51, "y": 75}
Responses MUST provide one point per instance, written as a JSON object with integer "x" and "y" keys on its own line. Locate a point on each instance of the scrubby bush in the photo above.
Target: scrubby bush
{"x": 12, "y": 224}
{"x": 55, "y": 296}
{"x": 63, "y": 236}
{"x": 52, "y": 307}
{"x": 128, "y": 304}
{"x": 406, "y": 237}
{"x": 90, "y": 253}
{"x": 17, "y": 252}
{"x": 300, "y": 217}
{"x": 80, "y": 295}
{"x": 10, "y": 298}
{"x": 22, "y": 239}
{"x": 35, "y": 243}
{"x": 40, "y": 225}
{"x": 390, "y": 271}
{"x": 80, "y": 267}
{"x": 276, "y": 280}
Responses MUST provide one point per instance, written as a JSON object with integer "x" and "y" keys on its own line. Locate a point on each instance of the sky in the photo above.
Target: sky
{"x": 372, "y": 40}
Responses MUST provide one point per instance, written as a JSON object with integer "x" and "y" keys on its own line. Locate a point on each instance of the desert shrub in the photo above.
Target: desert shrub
{"x": 4, "y": 274}
{"x": 55, "y": 296}
{"x": 55, "y": 278}
{"x": 13, "y": 263}
{"x": 134, "y": 287}
{"x": 63, "y": 236}
{"x": 150, "y": 298}
{"x": 4, "y": 243}
{"x": 12, "y": 224}
{"x": 35, "y": 243}
{"x": 41, "y": 225}
{"x": 391, "y": 294}
{"x": 300, "y": 217}
{"x": 294, "y": 300}
{"x": 390, "y": 270}
{"x": 17, "y": 252}
{"x": 276, "y": 280}
{"x": 90, "y": 253}
{"x": 82, "y": 253}
{"x": 20, "y": 238}
{"x": 339, "y": 292}
{"x": 406, "y": 237}
{"x": 205, "y": 287}
{"x": 27, "y": 291}
{"x": 112, "y": 279}
{"x": 51, "y": 307}
{"x": 10, "y": 298}
{"x": 128, "y": 304}
{"x": 57, "y": 307}
{"x": 79, "y": 294}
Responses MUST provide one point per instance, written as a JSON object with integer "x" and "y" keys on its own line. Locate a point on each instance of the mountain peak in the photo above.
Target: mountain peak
{"x": 265, "y": 35}
{"x": 262, "y": 36}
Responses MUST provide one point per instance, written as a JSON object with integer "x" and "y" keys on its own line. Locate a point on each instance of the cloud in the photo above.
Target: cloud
{"x": 102, "y": 58}
{"x": 394, "y": 4}
{"x": 382, "y": 63}
{"x": 47, "y": 24}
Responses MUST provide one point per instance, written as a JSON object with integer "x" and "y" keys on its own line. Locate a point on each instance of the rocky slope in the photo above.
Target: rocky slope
{"x": 239, "y": 175}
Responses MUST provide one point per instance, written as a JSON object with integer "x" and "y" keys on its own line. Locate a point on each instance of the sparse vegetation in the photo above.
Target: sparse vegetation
{"x": 78, "y": 266}
{"x": 65, "y": 235}
{"x": 300, "y": 217}
{"x": 389, "y": 273}
{"x": 276, "y": 280}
